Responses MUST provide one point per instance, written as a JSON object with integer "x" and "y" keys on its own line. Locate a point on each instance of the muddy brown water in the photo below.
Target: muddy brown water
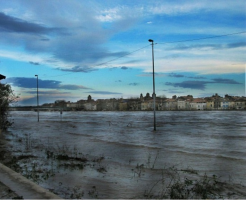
{"x": 124, "y": 157}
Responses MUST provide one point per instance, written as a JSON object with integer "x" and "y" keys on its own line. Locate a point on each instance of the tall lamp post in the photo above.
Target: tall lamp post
{"x": 37, "y": 98}
{"x": 152, "y": 41}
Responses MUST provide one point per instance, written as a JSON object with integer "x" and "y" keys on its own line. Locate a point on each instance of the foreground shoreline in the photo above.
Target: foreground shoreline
{"x": 14, "y": 185}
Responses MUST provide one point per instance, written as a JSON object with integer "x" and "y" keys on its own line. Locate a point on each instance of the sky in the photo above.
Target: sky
{"x": 100, "y": 48}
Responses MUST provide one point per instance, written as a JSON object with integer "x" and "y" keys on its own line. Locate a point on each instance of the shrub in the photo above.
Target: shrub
{"x": 7, "y": 97}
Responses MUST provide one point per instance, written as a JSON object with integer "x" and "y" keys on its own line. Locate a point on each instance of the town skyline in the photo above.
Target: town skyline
{"x": 101, "y": 48}
{"x": 144, "y": 103}
{"x": 147, "y": 97}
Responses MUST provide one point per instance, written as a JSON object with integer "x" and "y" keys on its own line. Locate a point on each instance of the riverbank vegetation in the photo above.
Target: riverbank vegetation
{"x": 7, "y": 97}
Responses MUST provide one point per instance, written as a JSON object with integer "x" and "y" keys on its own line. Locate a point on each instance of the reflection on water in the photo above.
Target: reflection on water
{"x": 213, "y": 142}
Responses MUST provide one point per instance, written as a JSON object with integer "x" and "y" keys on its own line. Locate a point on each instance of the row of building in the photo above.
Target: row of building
{"x": 146, "y": 103}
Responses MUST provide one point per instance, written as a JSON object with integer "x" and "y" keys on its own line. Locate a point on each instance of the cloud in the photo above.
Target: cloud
{"x": 175, "y": 75}
{"x": 103, "y": 92}
{"x": 32, "y": 101}
{"x": 196, "y": 77}
{"x": 109, "y": 15}
{"x": 133, "y": 84}
{"x": 201, "y": 85}
{"x": 45, "y": 96}
{"x": 183, "y": 7}
{"x": 150, "y": 74}
{"x": 48, "y": 84}
{"x": 12, "y": 24}
{"x": 45, "y": 39}
{"x": 72, "y": 87}
{"x": 236, "y": 45}
{"x": 34, "y": 63}
{"x": 210, "y": 46}
{"x": 225, "y": 81}
{"x": 82, "y": 49}
{"x": 133, "y": 61}
{"x": 78, "y": 69}
{"x": 49, "y": 92}
{"x": 173, "y": 91}
{"x": 124, "y": 68}
{"x": 85, "y": 38}
{"x": 73, "y": 36}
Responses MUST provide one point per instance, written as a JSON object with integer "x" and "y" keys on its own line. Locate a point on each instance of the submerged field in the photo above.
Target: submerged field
{"x": 118, "y": 155}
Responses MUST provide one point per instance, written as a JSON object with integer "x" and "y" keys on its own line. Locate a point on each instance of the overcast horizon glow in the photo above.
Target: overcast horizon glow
{"x": 100, "y": 48}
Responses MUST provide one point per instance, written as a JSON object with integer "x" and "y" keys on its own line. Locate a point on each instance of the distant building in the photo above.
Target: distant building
{"x": 225, "y": 104}
{"x": 171, "y": 104}
{"x": 217, "y": 101}
{"x": 162, "y": 103}
{"x": 198, "y": 104}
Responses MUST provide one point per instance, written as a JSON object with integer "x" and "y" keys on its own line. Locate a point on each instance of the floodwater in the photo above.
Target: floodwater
{"x": 211, "y": 142}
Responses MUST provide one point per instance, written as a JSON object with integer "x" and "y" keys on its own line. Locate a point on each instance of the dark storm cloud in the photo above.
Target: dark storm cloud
{"x": 12, "y": 24}
{"x": 103, "y": 92}
{"x": 78, "y": 69}
{"x": 48, "y": 84}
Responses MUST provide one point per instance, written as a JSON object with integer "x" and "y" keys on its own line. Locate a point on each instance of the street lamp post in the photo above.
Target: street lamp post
{"x": 152, "y": 41}
{"x": 37, "y": 99}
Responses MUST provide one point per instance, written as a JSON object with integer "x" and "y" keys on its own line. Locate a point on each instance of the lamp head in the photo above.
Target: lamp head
{"x": 150, "y": 40}
{"x": 36, "y": 75}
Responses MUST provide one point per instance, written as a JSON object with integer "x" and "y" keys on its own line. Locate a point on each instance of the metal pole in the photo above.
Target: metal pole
{"x": 37, "y": 99}
{"x": 152, "y": 41}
